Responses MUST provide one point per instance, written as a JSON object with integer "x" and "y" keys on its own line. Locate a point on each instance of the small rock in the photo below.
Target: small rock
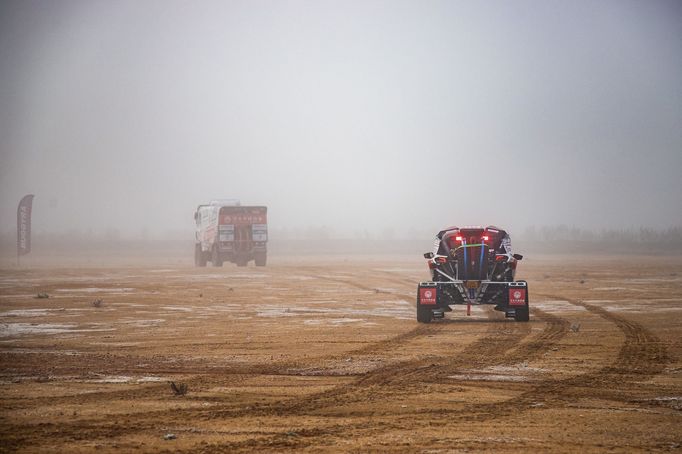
{"x": 575, "y": 327}
{"x": 582, "y": 281}
{"x": 42, "y": 295}
{"x": 97, "y": 303}
{"x": 169, "y": 437}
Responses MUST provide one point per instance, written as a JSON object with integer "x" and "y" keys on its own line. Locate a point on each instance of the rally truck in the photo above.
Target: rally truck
{"x": 472, "y": 266}
{"x": 226, "y": 231}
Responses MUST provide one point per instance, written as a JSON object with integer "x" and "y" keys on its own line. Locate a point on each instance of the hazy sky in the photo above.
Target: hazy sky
{"x": 357, "y": 115}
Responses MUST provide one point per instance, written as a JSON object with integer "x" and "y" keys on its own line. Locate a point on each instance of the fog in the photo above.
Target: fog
{"x": 354, "y": 116}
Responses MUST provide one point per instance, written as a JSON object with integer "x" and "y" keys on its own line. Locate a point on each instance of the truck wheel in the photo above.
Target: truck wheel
{"x": 522, "y": 314}
{"x": 199, "y": 257}
{"x": 216, "y": 259}
{"x": 261, "y": 259}
{"x": 424, "y": 314}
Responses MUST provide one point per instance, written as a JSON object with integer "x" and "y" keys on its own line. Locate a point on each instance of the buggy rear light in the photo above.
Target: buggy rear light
{"x": 484, "y": 238}
{"x": 458, "y": 238}
{"x": 440, "y": 260}
{"x": 500, "y": 258}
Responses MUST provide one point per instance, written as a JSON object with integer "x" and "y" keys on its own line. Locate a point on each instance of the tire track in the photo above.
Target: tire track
{"x": 498, "y": 335}
{"x": 102, "y": 427}
{"x": 554, "y": 331}
{"x": 489, "y": 350}
{"x": 500, "y": 343}
{"x": 407, "y": 374}
{"x": 641, "y": 357}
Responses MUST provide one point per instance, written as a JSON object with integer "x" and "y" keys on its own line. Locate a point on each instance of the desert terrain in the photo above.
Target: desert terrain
{"x": 325, "y": 355}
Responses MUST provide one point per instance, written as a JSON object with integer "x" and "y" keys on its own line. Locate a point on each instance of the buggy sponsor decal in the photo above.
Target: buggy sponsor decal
{"x": 517, "y": 296}
{"x": 427, "y": 295}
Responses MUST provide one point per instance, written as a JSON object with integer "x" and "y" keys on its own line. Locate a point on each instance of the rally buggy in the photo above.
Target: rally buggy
{"x": 472, "y": 265}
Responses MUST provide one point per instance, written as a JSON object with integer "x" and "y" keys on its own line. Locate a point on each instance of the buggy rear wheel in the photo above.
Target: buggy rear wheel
{"x": 424, "y": 314}
{"x": 522, "y": 314}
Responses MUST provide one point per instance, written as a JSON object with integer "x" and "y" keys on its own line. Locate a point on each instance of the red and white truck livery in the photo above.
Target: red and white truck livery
{"x": 229, "y": 232}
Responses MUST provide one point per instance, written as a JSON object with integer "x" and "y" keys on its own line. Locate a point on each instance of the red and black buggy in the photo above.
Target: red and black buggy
{"x": 471, "y": 266}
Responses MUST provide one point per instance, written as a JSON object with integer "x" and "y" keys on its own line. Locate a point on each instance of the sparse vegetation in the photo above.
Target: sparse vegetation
{"x": 179, "y": 389}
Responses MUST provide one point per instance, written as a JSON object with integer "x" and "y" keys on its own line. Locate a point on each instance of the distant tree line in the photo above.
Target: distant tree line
{"x": 323, "y": 239}
{"x": 641, "y": 239}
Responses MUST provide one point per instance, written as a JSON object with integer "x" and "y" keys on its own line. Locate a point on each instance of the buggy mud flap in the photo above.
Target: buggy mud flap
{"x": 427, "y": 294}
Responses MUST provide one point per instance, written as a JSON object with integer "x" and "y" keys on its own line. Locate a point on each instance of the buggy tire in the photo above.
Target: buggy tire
{"x": 199, "y": 257}
{"x": 424, "y": 314}
{"x": 522, "y": 314}
{"x": 261, "y": 259}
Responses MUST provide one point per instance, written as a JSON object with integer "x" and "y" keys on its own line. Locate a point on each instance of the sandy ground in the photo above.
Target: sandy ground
{"x": 326, "y": 355}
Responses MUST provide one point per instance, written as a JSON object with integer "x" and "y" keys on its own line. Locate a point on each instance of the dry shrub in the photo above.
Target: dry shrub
{"x": 180, "y": 389}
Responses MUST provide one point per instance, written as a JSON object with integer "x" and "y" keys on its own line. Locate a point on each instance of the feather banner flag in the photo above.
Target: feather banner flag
{"x": 24, "y": 225}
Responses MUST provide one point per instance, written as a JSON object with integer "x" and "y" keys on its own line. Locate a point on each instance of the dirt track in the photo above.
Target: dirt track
{"x": 327, "y": 356}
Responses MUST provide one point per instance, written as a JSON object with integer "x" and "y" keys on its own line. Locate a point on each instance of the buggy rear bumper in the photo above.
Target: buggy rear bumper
{"x": 472, "y": 292}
